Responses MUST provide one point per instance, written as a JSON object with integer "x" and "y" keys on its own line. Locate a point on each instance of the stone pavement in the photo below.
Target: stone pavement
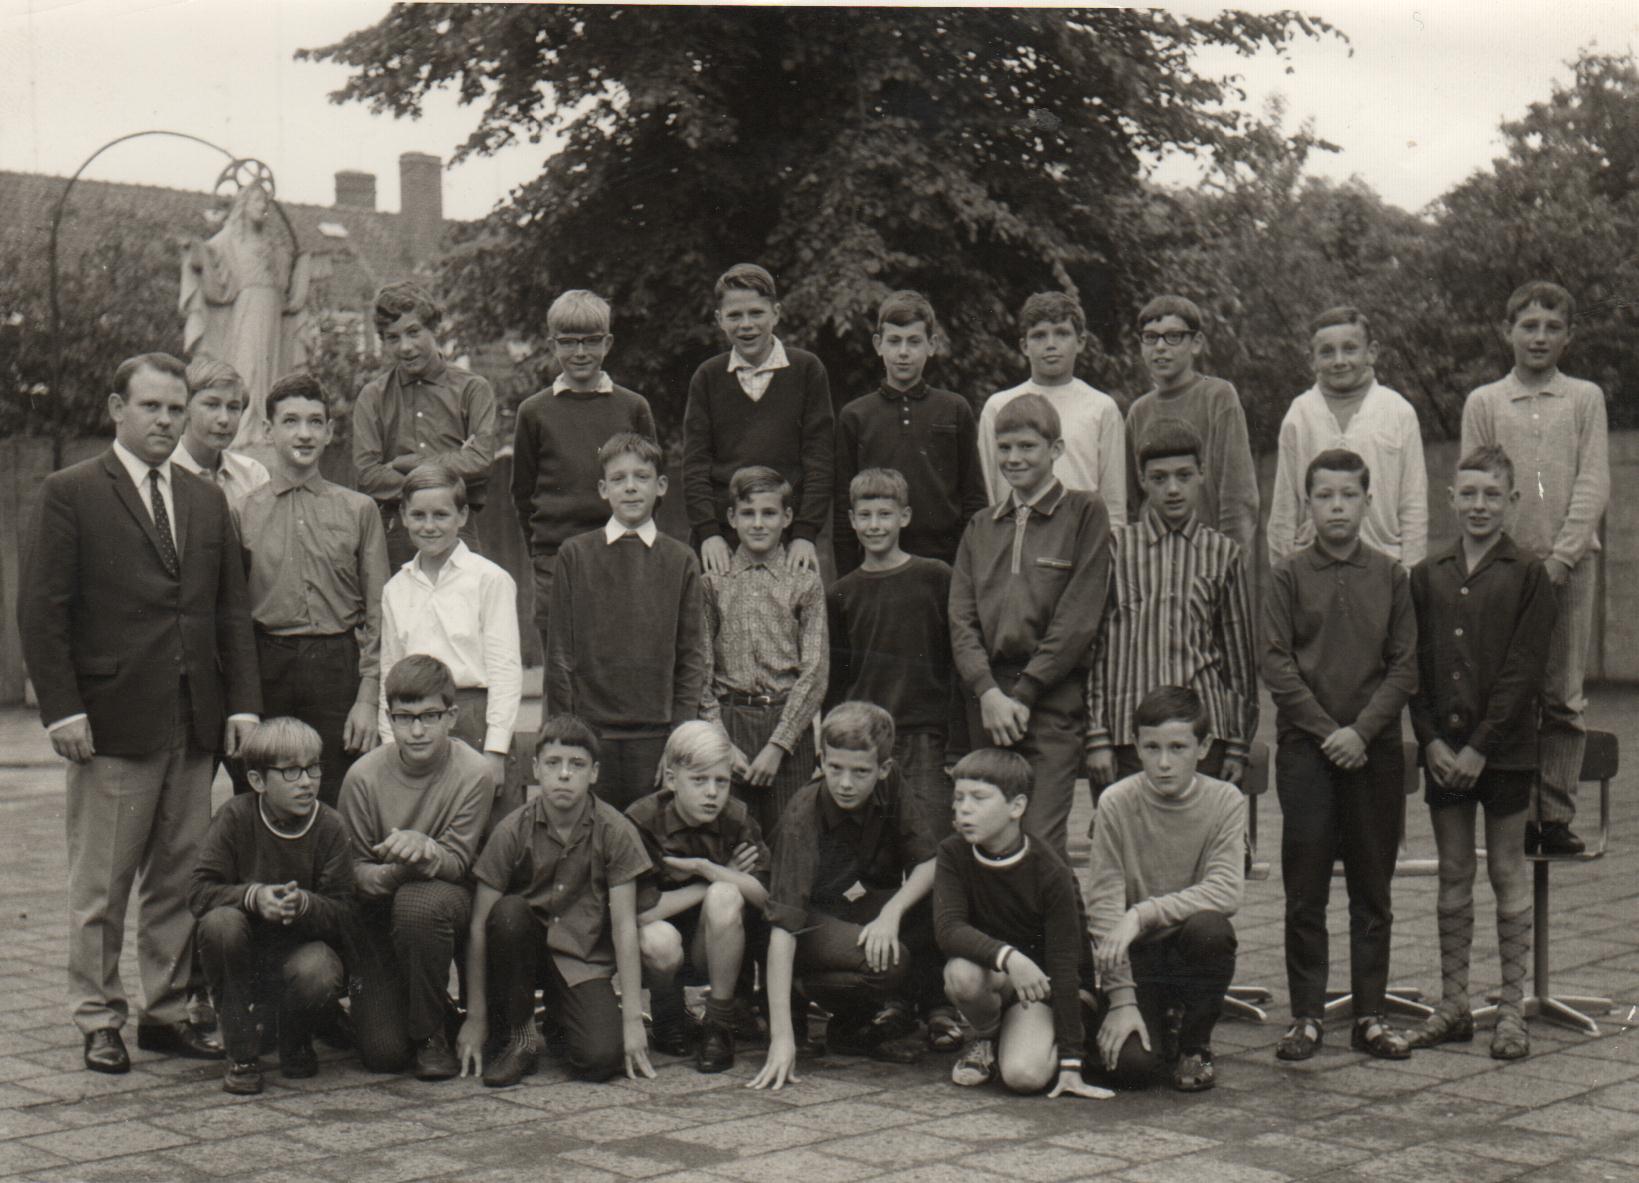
{"x": 1569, "y": 1113}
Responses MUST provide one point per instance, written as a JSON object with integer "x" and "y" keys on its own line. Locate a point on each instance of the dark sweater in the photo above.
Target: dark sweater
{"x": 1031, "y": 903}
{"x": 555, "y": 470}
{"x": 791, "y": 429}
{"x": 890, "y": 643}
{"x": 625, "y": 647}
{"x": 240, "y": 850}
{"x": 929, "y": 437}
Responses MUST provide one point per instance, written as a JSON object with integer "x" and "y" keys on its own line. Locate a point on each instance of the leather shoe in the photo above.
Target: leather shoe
{"x": 716, "y": 1050}
{"x": 243, "y": 1078}
{"x": 105, "y": 1051}
{"x": 179, "y": 1039}
{"x": 518, "y": 1059}
{"x": 1558, "y": 839}
{"x": 434, "y": 1060}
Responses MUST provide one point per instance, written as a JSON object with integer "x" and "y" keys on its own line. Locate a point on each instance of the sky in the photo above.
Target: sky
{"x": 1413, "y": 100}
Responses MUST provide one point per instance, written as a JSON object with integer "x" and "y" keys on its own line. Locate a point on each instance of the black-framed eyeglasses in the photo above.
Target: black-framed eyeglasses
{"x": 1171, "y": 337}
{"x": 292, "y": 775}
{"x": 427, "y": 718}
{"x": 570, "y": 344}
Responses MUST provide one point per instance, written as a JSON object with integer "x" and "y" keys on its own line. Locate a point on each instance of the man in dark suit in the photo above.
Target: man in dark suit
{"x": 137, "y": 634}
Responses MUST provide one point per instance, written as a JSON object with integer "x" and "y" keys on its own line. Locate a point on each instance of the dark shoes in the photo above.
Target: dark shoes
{"x": 243, "y": 1078}
{"x": 105, "y": 1051}
{"x": 434, "y": 1060}
{"x": 887, "y": 1037}
{"x": 676, "y": 1038}
{"x": 715, "y": 1052}
{"x": 1376, "y": 1038}
{"x": 1302, "y": 1039}
{"x": 518, "y": 1059}
{"x": 1193, "y": 1072}
{"x": 1443, "y": 1026}
{"x": 297, "y": 1059}
{"x": 1552, "y": 838}
{"x": 179, "y": 1039}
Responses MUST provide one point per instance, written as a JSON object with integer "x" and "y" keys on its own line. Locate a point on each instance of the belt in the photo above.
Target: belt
{"x": 755, "y": 700}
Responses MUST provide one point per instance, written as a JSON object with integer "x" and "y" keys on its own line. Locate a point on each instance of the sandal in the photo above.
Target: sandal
{"x": 1301, "y": 1040}
{"x": 1443, "y": 1026}
{"x": 1510, "y": 1040}
{"x": 944, "y": 1031}
{"x": 1376, "y": 1038}
{"x": 1193, "y": 1073}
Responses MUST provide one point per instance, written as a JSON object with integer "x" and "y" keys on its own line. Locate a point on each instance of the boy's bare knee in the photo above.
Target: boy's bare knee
{"x": 723, "y": 905}
{"x": 1025, "y": 1072}
{"x": 661, "y": 947}
{"x": 964, "y": 979}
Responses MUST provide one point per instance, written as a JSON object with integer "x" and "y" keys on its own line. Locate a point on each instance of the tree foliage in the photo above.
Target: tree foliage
{"x": 976, "y": 154}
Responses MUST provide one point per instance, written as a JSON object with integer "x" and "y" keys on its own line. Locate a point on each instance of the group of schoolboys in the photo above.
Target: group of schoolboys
{"x": 1001, "y": 594}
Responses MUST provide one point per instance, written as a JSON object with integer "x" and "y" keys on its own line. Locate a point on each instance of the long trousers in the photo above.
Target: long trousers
{"x": 260, "y": 972}
{"x": 316, "y": 680}
{"x": 831, "y": 970}
{"x": 401, "y": 969}
{"x": 749, "y": 725}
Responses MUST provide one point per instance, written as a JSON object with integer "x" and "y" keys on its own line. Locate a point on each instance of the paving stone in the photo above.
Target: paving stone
{"x": 1511, "y": 1088}
{"x": 394, "y": 1165}
{"x": 940, "y": 1098}
{"x": 228, "y": 1120}
{"x": 893, "y": 1148}
{"x": 1621, "y": 1096}
{"x": 798, "y": 1163}
{"x": 229, "y": 1156}
{"x": 1133, "y": 1143}
{"x": 88, "y": 1143}
{"x": 1435, "y": 1164}
{"x": 751, "y": 1135}
{"x": 23, "y": 1123}
{"x": 1580, "y": 1119}
{"x": 348, "y": 1137}
{"x": 627, "y": 1162}
{"x": 1046, "y": 1163}
{"x": 1584, "y": 1171}
{"x": 1193, "y": 1168}
{"x": 18, "y": 1157}
{"x": 1291, "y": 1154}
{"x": 1004, "y": 1124}
{"x": 1529, "y": 1148}
{"x": 615, "y": 1124}
{"x": 132, "y": 1168}
{"x": 943, "y": 1172}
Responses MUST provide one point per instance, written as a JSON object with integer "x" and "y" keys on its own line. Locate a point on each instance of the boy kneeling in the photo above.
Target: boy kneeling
{"x": 273, "y": 892}
{"x": 1165, "y": 876}
{"x": 1019, "y": 979}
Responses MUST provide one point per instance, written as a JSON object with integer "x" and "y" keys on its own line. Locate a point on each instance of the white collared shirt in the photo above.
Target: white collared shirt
{"x": 234, "y": 474}
{"x": 754, "y": 379}
{"x": 139, "y": 470}
{"x": 468, "y": 619}
{"x": 614, "y": 531}
{"x": 605, "y": 384}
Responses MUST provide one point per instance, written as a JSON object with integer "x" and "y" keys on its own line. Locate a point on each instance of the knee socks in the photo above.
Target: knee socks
{"x": 1456, "y": 927}
{"x": 1514, "y": 948}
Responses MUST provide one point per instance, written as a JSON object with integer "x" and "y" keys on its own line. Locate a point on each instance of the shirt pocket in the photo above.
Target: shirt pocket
{"x": 939, "y": 444}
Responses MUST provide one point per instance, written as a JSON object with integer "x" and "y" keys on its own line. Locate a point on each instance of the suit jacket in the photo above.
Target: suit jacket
{"x": 107, "y": 631}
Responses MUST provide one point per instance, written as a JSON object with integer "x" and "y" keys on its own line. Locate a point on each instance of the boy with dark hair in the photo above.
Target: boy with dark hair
{"x": 1164, "y": 878}
{"x": 759, "y": 403}
{"x": 701, "y": 904}
{"x": 889, "y": 624}
{"x": 555, "y": 446}
{"x": 1008, "y": 914}
{"x": 1178, "y": 614}
{"x": 1026, "y": 600}
{"x": 216, "y": 406}
{"x": 1340, "y": 663}
{"x": 852, "y": 929}
{"x": 765, "y": 643}
{"x": 1348, "y": 409}
{"x": 423, "y": 410}
{"x": 315, "y": 566}
{"x": 631, "y": 664}
{"x": 927, "y": 435}
{"x": 1052, "y": 331}
{"x": 273, "y": 892}
{"x": 556, "y": 907}
{"x": 1553, "y": 426}
{"x": 416, "y": 810}
{"x": 1485, "y": 619}
{"x": 1170, "y": 340}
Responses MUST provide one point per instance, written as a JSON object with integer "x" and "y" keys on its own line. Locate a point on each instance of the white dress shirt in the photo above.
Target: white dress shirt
{"x": 234, "y": 474}
{"x": 1095, "y": 443}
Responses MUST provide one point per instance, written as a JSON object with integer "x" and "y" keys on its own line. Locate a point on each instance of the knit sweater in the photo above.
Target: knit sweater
{"x": 890, "y": 643}
{"x": 791, "y": 429}
{"x": 241, "y": 851}
{"x": 555, "y": 471}
{"x": 1229, "y": 487}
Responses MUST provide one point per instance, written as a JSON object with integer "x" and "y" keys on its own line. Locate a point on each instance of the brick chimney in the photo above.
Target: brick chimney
{"x": 421, "y": 201}
{"x": 355, "y": 190}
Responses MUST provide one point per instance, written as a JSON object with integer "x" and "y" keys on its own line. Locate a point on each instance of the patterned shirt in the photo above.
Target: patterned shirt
{"x": 765, "y": 628}
{"x": 447, "y": 415}
{"x": 1178, "y": 614}
{"x": 234, "y": 474}
{"x": 754, "y": 379}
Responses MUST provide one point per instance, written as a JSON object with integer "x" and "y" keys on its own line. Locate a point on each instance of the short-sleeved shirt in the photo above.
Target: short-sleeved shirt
{"x": 566, "y": 884}
{"x": 824, "y": 856}
{"x": 665, "y": 831}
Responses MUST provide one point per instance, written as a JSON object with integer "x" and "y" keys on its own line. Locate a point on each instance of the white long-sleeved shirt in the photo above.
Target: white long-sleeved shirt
{"x": 1385, "y": 434}
{"x": 469, "y": 621}
{"x": 1095, "y": 443}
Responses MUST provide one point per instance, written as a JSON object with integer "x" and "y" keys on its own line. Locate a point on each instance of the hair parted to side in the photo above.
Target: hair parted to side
{"x": 859, "y": 727}
{"x": 578, "y": 311}
{"x": 570, "y": 731}
{"x": 419, "y": 677}
{"x": 1542, "y": 292}
{"x": 1008, "y": 771}
{"x": 433, "y": 475}
{"x": 1489, "y": 458}
{"x": 280, "y": 742}
{"x": 1337, "y": 460}
{"x": 747, "y": 482}
{"x": 404, "y": 298}
{"x": 1030, "y": 412}
{"x": 297, "y": 386}
{"x": 1169, "y": 437}
{"x": 1171, "y": 704}
{"x": 162, "y": 363}
{"x": 747, "y": 277}
{"x": 632, "y": 443}
{"x": 207, "y": 373}
{"x": 906, "y": 307}
{"x": 1052, "y": 308}
{"x": 1343, "y": 314}
{"x": 696, "y": 746}
{"x": 879, "y": 482}
{"x": 1184, "y": 309}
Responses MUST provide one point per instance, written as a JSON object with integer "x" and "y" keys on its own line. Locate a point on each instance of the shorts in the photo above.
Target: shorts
{"x": 1502, "y": 791}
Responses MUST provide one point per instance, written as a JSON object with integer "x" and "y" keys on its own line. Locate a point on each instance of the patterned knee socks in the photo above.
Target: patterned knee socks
{"x": 1456, "y": 927}
{"x": 1514, "y": 948}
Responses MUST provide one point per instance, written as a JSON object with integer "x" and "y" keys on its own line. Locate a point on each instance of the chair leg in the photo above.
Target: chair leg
{"x": 1242, "y": 1002}
{"x": 1564, "y": 1012}
{"x": 1401, "y": 1000}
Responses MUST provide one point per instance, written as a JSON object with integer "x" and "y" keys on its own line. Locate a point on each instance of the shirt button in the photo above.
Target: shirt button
{"x": 1462, "y": 591}
{"x": 1456, "y": 719}
{"x": 1456, "y": 675}
{"x": 418, "y": 415}
{"x": 1459, "y": 632}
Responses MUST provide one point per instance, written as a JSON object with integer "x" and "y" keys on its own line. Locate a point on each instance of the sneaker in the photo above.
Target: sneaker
{"x": 1557, "y": 839}
{"x": 518, "y": 1059}
{"x": 1193, "y": 1072}
{"x": 715, "y": 1051}
{"x": 242, "y": 1078}
{"x": 297, "y": 1059}
{"x": 434, "y": 1060}
{"x": 976, "y": 1065}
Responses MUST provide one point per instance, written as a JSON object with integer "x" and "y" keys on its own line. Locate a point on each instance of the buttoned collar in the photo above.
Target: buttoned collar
{"x": 1155, "y": 526}
{"x": 313, "y": 482}
{"x": 741, "y": 560}
{"x": 1555, "y": 387}
{"x": 614, "y": 530}
{"x": 832, "y": 815}
{"x": 183, "y": 458}
{"x": 1502, "y": 550}
{"x": 1320, "y": 559}
{"x": 457, "y": 558}
{"x": 1044, "y": 502}
{"x": 776, "y": 360}
{"x": 915, "y": 393}
{"x": 434, "y": 375}
{"x": 605, "y": 385}
{"x": 578, "y": 829}
{"x": 138, "y": 468}
{"x": 672, "y": 820}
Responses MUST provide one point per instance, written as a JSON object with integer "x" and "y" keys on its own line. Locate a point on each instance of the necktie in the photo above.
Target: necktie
{"x": 1020, "y": 517}
{"x": 162, "y": 524}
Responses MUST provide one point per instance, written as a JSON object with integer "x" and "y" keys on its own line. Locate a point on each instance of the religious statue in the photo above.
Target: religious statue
{"x": 245, "y": 303}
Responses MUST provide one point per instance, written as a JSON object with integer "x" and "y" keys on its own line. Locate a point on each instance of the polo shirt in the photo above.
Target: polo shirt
{"x": 1095, "y": 442}
{"x": 447, "y": 415}
{"x": 665, "y": 832}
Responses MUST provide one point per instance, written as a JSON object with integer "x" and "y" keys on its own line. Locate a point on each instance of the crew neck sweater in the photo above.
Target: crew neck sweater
{"x": 890, "y": 642}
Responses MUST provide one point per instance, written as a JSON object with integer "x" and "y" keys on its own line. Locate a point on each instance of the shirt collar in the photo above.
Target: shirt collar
{"x": 1502, "y": 550}
{"x": 139, "y": 468}
{"x": 1320, "y": 560}
{"x": 1156, "y": 526}
{"x": 614, "y": 531}
{"x": 314, "y": 483}
{"x": 458, "y": 558}
{"x": 1044, "y": 502}
{"x": 1520, "y": 390}
{"x": 741, "y": 560}
{"x": 605, "y": 385}
{"x": 183, "y": 458}
{"x": 436, "y": 371}
{"x": 673, "y": 821}
{"x": 915, "y": 393}
{"x": 833, "y": 815}
{"x": 580, "y": 826}
{"x": 776, "y": 360}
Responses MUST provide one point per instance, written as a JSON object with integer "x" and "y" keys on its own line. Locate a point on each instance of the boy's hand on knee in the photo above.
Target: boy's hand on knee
{"x": 359, "y": 734}
{"x": 406, "y": 846}
{"x": 801, "y": 556}
{"x": 766, "y": 766}
{"x": 1027, "y": 979}
{"x": 1005, "y": 718}
{"x": 1070, "y": 1084}
{"x": 714, "y": 555}
{"x": 779, "y": 1069}
{"x": 1345, "y": 748}
{"x": 469, "y": 1045}
{"x": 1119, "y": 1025}
{"x": 880, "y": 939}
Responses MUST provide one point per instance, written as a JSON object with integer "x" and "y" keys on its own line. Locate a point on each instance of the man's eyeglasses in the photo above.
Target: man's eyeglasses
{"x": 292, "y": 775}
{"x": 410, "y": 718}
{"x": 570, "y": 344}
{"x": 1171, "y": 337}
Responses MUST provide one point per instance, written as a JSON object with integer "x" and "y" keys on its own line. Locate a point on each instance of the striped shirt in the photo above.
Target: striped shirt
{"x": 1178, "y": 614}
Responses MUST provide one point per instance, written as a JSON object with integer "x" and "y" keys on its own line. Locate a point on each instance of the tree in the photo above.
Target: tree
{"x": 976, "y": 154}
